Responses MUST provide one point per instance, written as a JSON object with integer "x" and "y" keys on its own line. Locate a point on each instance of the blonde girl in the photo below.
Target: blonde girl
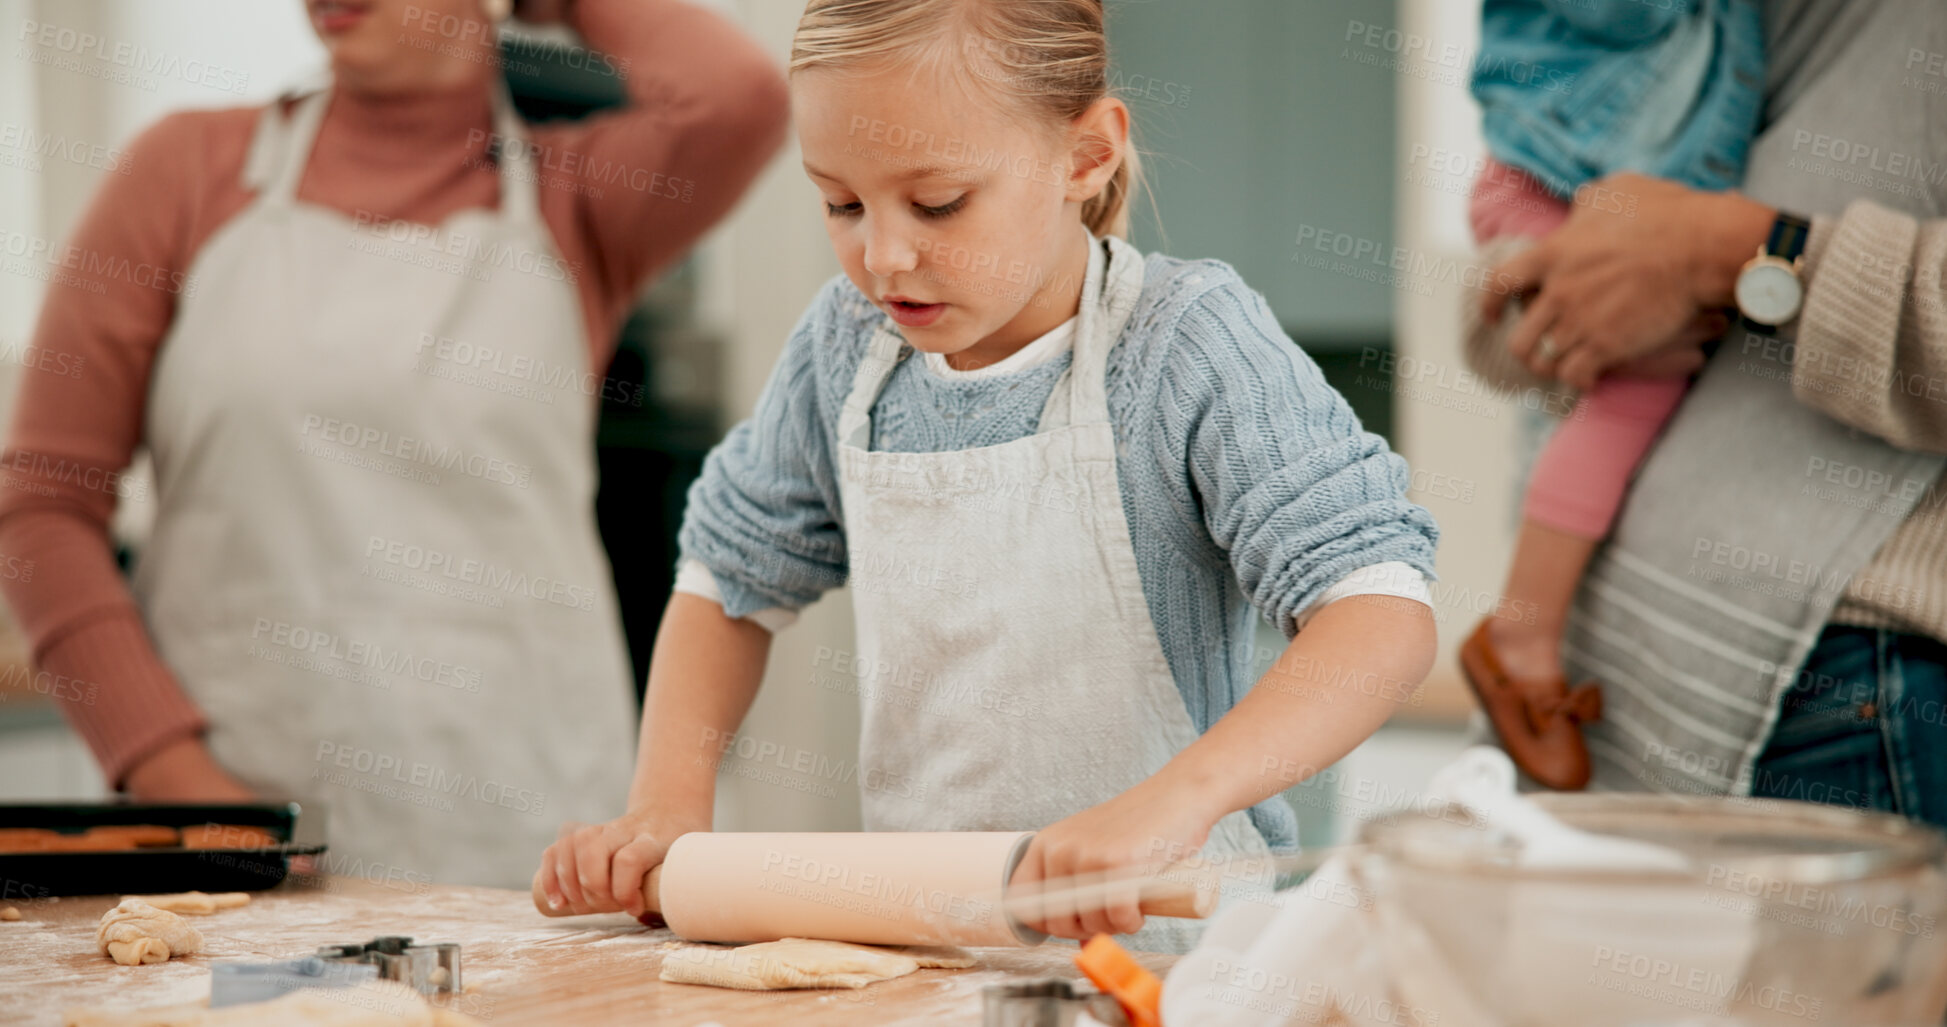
{"x": 1059, "y": 476}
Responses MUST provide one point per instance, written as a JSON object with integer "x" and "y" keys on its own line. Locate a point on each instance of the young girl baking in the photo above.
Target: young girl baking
{"x": 1050, "y": 468}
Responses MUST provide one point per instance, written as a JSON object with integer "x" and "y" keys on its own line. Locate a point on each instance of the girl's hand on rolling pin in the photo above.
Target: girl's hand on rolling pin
{"x": 1141, "y": 830}
{"x": 599, "y": 868}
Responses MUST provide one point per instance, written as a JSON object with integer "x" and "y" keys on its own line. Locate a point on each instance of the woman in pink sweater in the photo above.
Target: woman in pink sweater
{"x": 362, "y": 332}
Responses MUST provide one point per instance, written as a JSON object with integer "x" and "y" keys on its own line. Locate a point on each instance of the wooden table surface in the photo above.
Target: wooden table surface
{"x": 518, "y": 967}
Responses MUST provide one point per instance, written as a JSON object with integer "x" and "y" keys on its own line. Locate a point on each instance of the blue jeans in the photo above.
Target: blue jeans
{"x": 1864, "y": 726}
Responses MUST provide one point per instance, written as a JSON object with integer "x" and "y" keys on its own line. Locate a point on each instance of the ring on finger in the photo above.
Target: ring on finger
{"x": 1546, "y": 346}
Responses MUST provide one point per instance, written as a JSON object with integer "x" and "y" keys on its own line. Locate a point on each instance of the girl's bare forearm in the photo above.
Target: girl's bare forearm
{"x": 1355, "y": 663}
{"x": 702, "y": 678}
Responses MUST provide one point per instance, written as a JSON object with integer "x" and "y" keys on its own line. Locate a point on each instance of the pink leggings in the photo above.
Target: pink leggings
{"x": 1578, "y": 483}
{"x": 1579, "y": 480}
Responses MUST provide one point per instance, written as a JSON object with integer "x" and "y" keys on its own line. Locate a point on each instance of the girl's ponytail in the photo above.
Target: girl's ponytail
{"x": 1108, "y": 212}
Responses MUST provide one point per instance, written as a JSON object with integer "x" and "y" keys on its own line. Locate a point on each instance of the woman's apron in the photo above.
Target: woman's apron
{"x": 1018, "y": 678}
{"x": 375, "y": 564}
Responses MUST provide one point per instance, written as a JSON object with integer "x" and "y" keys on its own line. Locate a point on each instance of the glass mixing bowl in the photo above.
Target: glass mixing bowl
{"x": 1791, "y": 913}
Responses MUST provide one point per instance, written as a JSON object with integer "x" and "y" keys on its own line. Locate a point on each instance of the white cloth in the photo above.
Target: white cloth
{"x": 1309, "y": 955}
{"x": 1018, "y": 673}
{"x": 384, "y": 585}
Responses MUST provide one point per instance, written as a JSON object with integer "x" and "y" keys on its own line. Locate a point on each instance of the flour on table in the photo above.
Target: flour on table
{"x": 194, "y": 903}
{"x": 802, "y": 963}
{"x": 135, "y": 932}
{"x": 368, "y": 1004}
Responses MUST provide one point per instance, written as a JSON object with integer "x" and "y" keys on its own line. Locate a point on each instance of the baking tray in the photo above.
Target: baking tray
{"x": 33, "y": 875}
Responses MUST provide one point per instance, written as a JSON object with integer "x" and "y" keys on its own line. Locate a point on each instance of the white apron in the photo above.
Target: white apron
{"x": 1015, "y": 677}
{"x": 375, "y": 563}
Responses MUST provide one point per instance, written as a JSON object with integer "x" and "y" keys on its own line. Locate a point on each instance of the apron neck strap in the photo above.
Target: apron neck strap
{"x": 282, "y": 145}
{"x": 882, "y": 354}
{"x": 1109, "y": 293}
{"x": 514, "y": 155}
{"x": 280, "y": 150}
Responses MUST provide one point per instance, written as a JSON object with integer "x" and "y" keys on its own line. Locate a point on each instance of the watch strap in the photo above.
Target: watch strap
{"x": 1788, "y": 235}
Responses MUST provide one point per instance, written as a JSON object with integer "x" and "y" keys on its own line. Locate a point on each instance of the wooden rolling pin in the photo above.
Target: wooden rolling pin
{"x": 944, "y": 888}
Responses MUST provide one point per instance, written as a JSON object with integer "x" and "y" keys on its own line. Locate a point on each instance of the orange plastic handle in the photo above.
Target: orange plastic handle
{"x": 1113, "y": 970}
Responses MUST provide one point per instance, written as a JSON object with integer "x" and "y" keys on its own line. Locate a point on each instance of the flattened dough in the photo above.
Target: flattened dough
{"x": 369, "y": 1004}
{"x": 193, "y": 903}
{"x": 135, "y": 932}
{"x": 801, "y": 963}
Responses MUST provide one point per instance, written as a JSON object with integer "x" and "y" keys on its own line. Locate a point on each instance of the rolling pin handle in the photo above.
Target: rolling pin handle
{"x": 1179, "y": 890}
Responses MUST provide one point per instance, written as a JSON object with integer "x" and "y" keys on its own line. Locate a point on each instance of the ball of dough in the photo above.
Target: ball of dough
{"x": 135, "y": 932}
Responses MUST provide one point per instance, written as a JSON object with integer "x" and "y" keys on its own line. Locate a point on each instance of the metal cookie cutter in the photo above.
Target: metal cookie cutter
{"x": 239, "y": 984}
{"x": 1047, "y": 1002}
{"x": 430, "y": 969}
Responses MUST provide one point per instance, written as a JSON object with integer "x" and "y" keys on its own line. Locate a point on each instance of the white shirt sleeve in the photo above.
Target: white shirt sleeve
{"x": 695, "y": 579}
{"x": 1392, "y": 578}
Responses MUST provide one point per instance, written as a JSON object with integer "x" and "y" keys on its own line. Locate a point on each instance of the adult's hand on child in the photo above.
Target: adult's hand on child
{"x": 1680, "y": 359}
{"x": 1139, "y": 831}
{"x": 1638, "y": 268}
{"x": 600, "y": 868}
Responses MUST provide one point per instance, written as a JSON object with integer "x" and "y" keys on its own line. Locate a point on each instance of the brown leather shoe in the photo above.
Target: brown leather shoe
{"x": 1543, "y": 739}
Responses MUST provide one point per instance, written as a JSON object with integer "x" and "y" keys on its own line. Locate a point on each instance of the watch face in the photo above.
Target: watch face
{"x": 1769, "y": 293}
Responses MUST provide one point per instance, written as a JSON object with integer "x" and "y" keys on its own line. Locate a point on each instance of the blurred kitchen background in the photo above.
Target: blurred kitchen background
{"x": 1276, "y": 132}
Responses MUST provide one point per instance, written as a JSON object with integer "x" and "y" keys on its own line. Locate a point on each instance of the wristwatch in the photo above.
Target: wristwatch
{"x": 1769, "y": 291}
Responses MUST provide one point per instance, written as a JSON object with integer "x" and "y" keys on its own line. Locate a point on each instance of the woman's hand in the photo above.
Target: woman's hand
{"x": 184, "y": 771}
{"x": 1681, "y": 359}
{"x": 1640, "y": 267}
{"x": 600, "y": 868}
{"x": 1139, "y": 831}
